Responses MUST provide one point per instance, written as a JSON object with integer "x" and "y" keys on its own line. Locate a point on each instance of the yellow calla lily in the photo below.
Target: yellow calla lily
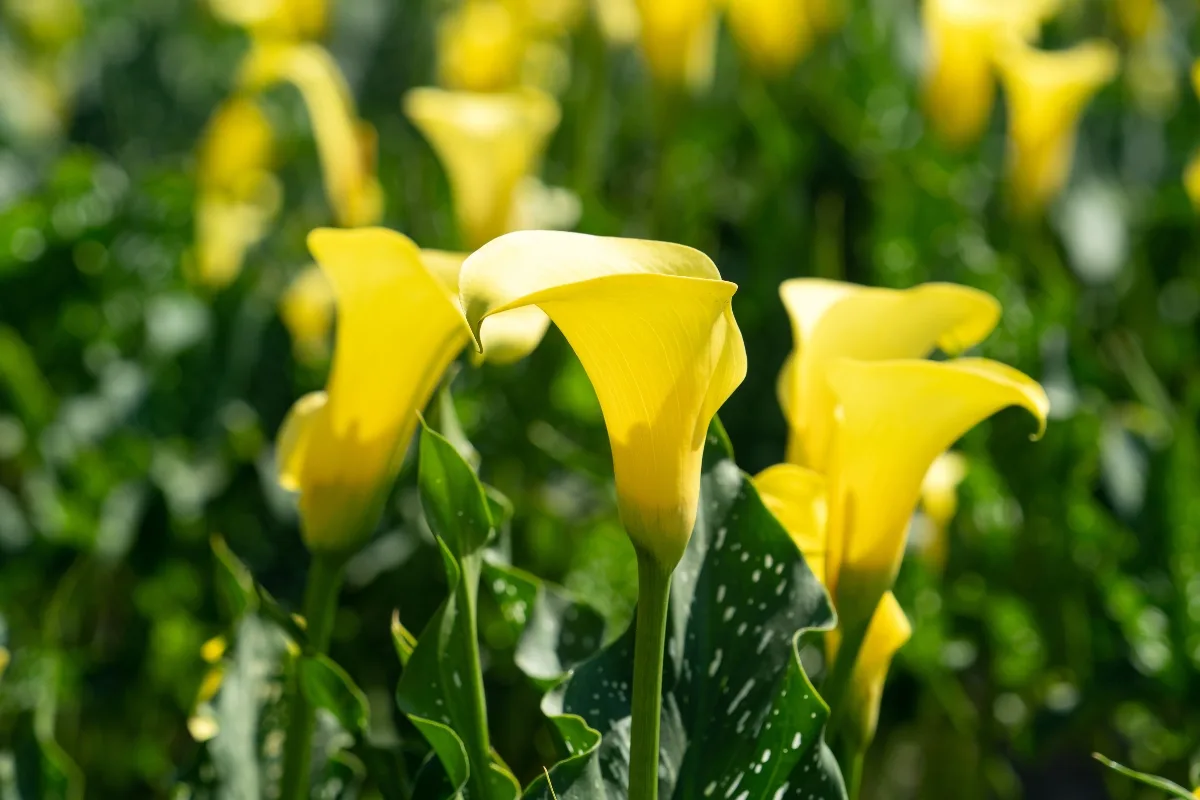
{"x": 1139, "y": 18}
{"x": 283, "y": 19}
{"x": 939, "y": 503}
{"x": 1046, "y": 93}
{"x": 887, "y": 633}
{"x": 679, "y": 41}
{"x": 832, "y": 320}
{"x": 653, "y": 327}
{"x": 487, "y": 144}
{"x": 896, "y": 417}
{"x": 306, "y": 309}
{"x": 796, "y": 496}
{"x": 1191, "y": 174}
{"x": 481, "y": 45}
{"x": 239, "y": 195}
{"x": 399, "y": 327}
{"x": 619, "y": 21}
{"x": 963, "y": 37}
{"x": 345, "y": 144}
{"x": 774, "y": 34}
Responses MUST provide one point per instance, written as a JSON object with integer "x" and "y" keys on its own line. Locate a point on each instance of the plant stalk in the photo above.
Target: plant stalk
{"x": 854, "y": 768}
{"x": 478, "y": 746}
{"x": 654, "y": 595}
{"x": 320, "y": 608}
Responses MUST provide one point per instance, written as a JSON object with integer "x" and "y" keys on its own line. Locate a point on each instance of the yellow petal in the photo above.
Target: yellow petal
{"x": 237, "y": 140}
{"x": 1191, "y": 180}
{"x": 652, "y": 325}
{"x": 229, "y": 223}
{"x": 775, "y": 34}
{"x": 939, "y": 503}
{"x": 619, "y": 21}
{"x": 832, "y": 320}
{"x": 887, "y": 633}
{"x": 398, "y": 329}
{"x": 285, "y": 19}
{"x": 1046, "y": 94}
{"x": 506, "y": 337}
{"x": 796, "y": 496}
{"x": 306, "y": 309}
{"x": 963, "y": 37}
{"x": 487, "y": 143}
{"x": 480, "y": 47}
{"x": 344, "y": 143}
{"x": 679, "y": 41}
{"x": 896, "y": 417}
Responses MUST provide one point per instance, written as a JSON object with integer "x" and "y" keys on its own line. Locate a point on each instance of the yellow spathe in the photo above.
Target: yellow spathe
{"x": 652, "y": 324}
{"x": 1046, "y": 94}
{"x": 306, "y": 309}
{"x": 832, "y": 320}
{"x": 679, "y": 41}
{"x": 282, "y": 19}
{"x": 962, "y": 38}
{"x": 887, "y": 633}
{"x": 774, "y": 34}
{"x": 487, "y": 143}
{"x": 796, "y": 496}
{"x": 481, "y": 45}
{"x": 238, "y": 194}
{"x": 399, "y": 327}
{"x": 895, "y": 418}
{"x": 939, "y": 504}
{"x": 345, "y": 144}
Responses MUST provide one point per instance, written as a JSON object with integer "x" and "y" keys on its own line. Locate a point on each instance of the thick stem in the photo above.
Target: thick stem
{"x": 478, "y": 746}
{"x": 320, "y": 608}
{"x": 654, "y": 595}
{"x": 854, "y": 768}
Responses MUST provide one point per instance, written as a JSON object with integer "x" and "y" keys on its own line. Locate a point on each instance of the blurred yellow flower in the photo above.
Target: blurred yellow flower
{"x": 481, "y": 45}
{"x": 399, "y": 327}
{"x": 239, "y": 196}
{"x": 660, "y": 377}
{"x": 1139, "y": 18}
{"x": 35, "y": 96}
{"x": 282, "y": 19}
{"x": 939, "y": 503}
{"x": 550, "y": 17}
{"x": 487, "y": 144}
{"x": 306, "y": 309}
{"x": 962, "y": 39}
{"x": 775, "y": 34}
{"x": 1191, "y": 174}
{"x": 679, "y": 41}
{"x": 49, "y": 24}
{"x": 346, "y": 144}
{"x": 832, "y": 320}
{"x": 1046, "y": 94}
{"x": 896, "y": 417}
{"x": 619, "y": 21}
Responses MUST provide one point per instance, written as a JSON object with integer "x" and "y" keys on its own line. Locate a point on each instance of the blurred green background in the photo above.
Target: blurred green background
{"x": 137, "y": 409}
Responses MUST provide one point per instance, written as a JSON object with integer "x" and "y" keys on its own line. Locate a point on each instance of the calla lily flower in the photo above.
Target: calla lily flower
{"x": 1046, "y": 93}
{"x": 962, "y": 39}
{"x": 239, "y": 195}
{"x": 283, "y": 19}
{"x": 399, "y": 327}
{"x": 896, "y": 417}
{"x": 346, "y": 145}
{"x": 774, "y": 34}
{"x": 618, "y": 20}
{"x": 653, "y": 327}
{"x": 797, "y": 498}
{"x": 887, "y": 633}
{"x": 481, "y": 45}
{"x": 939, "y": 503}
{"x": 679, "y": 41}
{"x": 306, "y": 309}
{"x": 487, "y": 143}
{"x": 832, "y": 320}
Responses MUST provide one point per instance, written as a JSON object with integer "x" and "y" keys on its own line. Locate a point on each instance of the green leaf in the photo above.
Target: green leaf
{"x": 740, "y": 717}
{"x": 326, "y": 685}
{"x": 452, "y": 498}
{"x": 1173, "y": 789}
{"x": 554, "y": 631}
{"x": 234, "y": 583}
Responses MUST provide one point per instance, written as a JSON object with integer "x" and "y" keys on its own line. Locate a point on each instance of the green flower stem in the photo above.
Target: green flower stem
{"x": 835, "y": 689}
{"x": 320, "y": 608}
{"x": 654, "y": 595}
{"x": 853, "y": 755}
{"x": 476, "y": 736}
